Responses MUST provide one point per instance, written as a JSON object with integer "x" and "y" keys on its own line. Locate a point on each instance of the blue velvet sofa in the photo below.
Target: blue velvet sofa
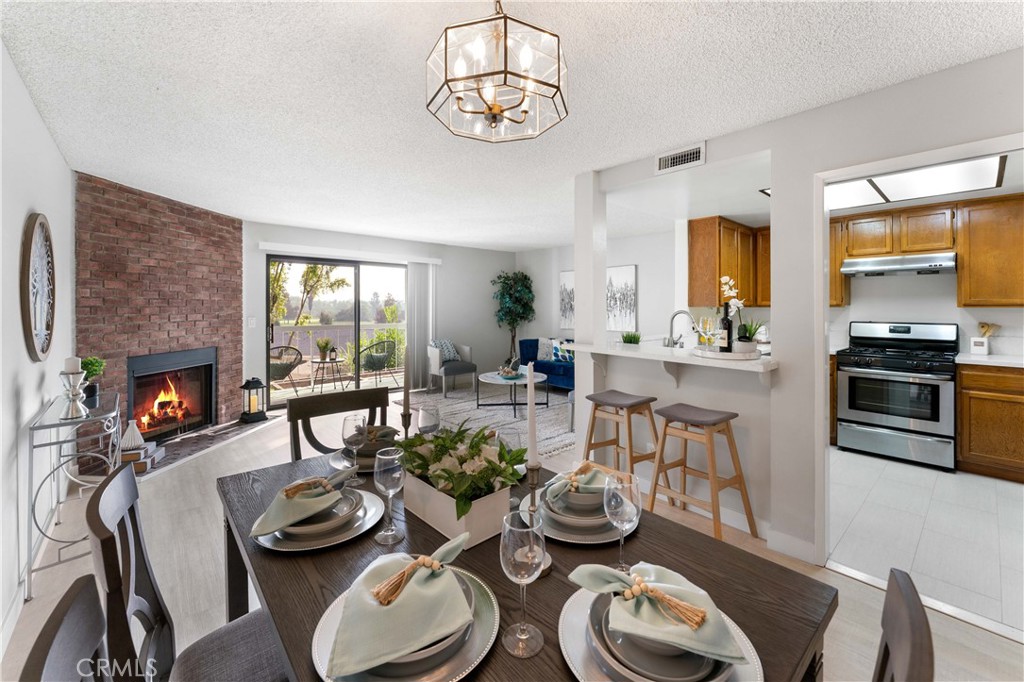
{"x": 560, "y": 374}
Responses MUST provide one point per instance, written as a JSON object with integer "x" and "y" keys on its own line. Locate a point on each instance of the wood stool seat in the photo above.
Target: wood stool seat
{"x": 689, "y": 422}
{"x": 619, "y": 408}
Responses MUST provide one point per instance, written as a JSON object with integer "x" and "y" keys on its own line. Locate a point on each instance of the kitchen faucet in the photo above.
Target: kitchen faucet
{"x": 677, "y": 341}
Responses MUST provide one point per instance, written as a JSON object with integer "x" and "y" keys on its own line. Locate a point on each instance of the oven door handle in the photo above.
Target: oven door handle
{"x": 887, "y": 372}
{"x": 915, "y": 436}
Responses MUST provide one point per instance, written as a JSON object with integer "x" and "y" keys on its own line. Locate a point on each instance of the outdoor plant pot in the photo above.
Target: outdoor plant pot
{"x": 438, "y": 509}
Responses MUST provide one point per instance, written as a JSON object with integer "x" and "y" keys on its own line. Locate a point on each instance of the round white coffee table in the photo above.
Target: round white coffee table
{"x": 496, "y": 379}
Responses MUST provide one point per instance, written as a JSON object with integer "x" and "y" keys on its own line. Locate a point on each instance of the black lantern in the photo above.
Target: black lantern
{"x": 253, "y": 401}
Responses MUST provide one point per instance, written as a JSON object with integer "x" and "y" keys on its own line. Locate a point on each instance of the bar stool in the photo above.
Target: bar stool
{"x": 619, "y": 408}
{"x": 699, "y": 425}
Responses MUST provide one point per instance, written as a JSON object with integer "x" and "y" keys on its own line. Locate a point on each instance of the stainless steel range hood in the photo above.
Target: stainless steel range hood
{"x": 917, "y": 264}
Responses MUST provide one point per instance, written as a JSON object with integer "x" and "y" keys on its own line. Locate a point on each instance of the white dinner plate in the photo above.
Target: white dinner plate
{"x": 329, "y": 519}
{"x": 572, "y": 638}
{"x": 576, "y": 536}
{"x": 482, "y": 635}
{"x": 369, "y": 514}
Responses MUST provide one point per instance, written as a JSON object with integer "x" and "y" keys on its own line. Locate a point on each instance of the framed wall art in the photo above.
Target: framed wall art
{"x": 37, "y": 286}
{"x": 621, "y": 296}
{"x": 567, "y": 300}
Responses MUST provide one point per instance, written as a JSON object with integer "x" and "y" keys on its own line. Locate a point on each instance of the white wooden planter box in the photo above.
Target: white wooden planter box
{"x": 438, "y": 509}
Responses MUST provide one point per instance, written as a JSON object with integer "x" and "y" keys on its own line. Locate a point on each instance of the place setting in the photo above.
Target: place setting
{"x": 646, "y": 623}
{"x": 408, "y": 618}
{"x": 321, "y": 512}
{"x": 589, "y": 505}
{"x": 362, "y": 443}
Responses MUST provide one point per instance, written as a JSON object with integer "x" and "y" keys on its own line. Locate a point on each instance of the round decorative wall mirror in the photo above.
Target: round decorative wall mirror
{"x": 37, "y": 286}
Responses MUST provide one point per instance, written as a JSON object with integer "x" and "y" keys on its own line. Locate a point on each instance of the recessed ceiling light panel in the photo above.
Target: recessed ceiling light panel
{"x": 852, "y": 193}
{"x": 949, "y": 178}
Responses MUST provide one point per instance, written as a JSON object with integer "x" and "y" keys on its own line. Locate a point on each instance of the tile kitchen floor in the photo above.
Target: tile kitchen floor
{"x": 957, "y": 534}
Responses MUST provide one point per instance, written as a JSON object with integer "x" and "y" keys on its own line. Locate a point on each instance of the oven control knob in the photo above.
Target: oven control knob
{"x": 915, "y": 363}
{"x": 869, "y": 361}
{"x": 929, "y": 365}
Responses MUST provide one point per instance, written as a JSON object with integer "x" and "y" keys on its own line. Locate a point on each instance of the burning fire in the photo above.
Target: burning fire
{"x": 167, "y": 407}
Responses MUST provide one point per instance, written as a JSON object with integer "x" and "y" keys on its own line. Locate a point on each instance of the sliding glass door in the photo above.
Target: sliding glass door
{"x": 319, "y": 340}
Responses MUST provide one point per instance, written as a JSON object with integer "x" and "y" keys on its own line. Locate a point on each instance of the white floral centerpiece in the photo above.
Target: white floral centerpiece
{"x": 465, "y": 467}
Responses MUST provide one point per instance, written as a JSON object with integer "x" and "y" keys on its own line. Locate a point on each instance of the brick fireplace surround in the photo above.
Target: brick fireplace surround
{"x": 155, "y": 275}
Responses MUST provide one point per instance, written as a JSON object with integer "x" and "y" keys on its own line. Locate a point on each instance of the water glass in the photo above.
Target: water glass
{"x": 622, "y": 504}
{"x": 522, "y": 557}
{"x": 428, "y": 421}
{"x": 388, "y": 477}
{"x": 353, "y": 434}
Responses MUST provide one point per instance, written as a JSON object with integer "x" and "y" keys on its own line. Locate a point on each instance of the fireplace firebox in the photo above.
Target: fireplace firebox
{"x": 172, "y": 393}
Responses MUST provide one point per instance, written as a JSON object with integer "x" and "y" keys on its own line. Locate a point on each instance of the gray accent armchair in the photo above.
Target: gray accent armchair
{"x": 451, "y": 368}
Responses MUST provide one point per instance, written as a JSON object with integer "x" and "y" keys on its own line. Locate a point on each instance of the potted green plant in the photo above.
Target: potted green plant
{"x": 632, "y": 338}
{"x": 93, "y": 367}
{"x": 324, "y": 344}
{"x": 515, "y": 304}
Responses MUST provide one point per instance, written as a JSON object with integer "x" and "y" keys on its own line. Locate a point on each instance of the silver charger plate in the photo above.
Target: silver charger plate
{"x": 327, "y": 520}
{"x": 482, "y": 636}
{"x": 572, "y": 638}
{"x": 577, "y": 536}
{"x": 370, "y": 513}
{"x": 364, "y": 463}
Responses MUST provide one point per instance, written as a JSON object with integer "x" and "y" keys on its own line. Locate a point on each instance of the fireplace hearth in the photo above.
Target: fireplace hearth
{"x": 172, "y": 393}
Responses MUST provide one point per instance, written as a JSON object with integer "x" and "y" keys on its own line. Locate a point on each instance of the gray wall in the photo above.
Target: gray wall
{"x": 36, "y": 179}
{"x": 463, "y": 297}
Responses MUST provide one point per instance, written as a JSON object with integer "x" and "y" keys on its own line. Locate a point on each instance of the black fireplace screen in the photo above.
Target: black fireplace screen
{"x": 167, "y": 400}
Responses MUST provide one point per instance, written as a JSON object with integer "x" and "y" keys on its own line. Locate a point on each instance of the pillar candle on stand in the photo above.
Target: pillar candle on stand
{"x": 73, "y": 365}
{"x": 531, "y": 419}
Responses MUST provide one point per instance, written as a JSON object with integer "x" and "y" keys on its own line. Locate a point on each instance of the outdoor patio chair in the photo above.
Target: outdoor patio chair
{"x": 283, "y": 361}
{"x": 376, "y": 357}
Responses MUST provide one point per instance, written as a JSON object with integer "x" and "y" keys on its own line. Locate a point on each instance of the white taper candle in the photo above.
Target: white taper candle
{"x": 408, "y": 376}
{"x": 531, "y": 418}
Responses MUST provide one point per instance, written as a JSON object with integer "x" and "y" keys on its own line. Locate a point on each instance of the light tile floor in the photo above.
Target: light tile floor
{"x": 958, "y": 535}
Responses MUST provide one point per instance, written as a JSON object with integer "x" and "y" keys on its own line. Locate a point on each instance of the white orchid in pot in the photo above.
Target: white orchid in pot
{"x": 745, "y": 331}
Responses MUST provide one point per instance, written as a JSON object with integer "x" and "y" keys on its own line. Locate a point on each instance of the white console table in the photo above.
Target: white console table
{"x": 96, "y": 435}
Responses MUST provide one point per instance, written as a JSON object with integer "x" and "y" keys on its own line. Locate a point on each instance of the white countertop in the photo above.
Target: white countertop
{"x": 681, "y": 356}
{"x": 991, "y": 360}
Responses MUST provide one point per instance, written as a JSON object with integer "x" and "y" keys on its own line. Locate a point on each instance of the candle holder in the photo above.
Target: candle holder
{"x": 533, "y": 480}
{"x": 75, "y": 408}
{"x": 406, "y": 422}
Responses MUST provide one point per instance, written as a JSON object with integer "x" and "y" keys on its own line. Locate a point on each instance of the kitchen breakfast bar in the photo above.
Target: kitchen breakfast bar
{"x": 679, "y": 375}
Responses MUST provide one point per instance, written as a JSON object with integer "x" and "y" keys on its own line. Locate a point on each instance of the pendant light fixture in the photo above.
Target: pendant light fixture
{"x": 497, "y": 79}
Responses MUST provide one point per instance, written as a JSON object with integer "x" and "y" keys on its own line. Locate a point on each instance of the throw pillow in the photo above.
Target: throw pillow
{"x": 448, "y": 351}
{"x": 560, "y": 353}
{"x": 545, "y": 349}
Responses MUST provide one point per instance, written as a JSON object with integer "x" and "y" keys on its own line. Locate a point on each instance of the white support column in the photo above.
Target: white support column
{"x": 590, "y": 256}
{"x": 681, "y": 258}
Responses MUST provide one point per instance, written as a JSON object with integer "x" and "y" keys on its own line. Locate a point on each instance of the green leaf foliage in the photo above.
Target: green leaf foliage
{"x": 514, "y": 295}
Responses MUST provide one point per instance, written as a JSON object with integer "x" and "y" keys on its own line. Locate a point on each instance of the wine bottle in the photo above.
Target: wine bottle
{"x": 725, "y": 335}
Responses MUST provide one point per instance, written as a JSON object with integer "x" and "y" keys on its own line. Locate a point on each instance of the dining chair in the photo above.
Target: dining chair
{"x": 905, "y": 653}
{"x": 244, "y": 649}
{"x": 70, "y": 645}
{"x": 301, "y": 412}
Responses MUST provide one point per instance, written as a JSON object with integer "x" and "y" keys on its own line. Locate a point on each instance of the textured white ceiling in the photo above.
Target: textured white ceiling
{"x": 313, "y": 114}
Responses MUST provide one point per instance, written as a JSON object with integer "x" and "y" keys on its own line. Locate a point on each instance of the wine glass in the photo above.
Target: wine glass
{"x": 428, "y": 421}
{"x": 522, "y": 556}
{"x": 389, "y": 477}
{"x": 622, "y": 505}
{"x": 513, "y": 441}
{"x": 353, "y": 433}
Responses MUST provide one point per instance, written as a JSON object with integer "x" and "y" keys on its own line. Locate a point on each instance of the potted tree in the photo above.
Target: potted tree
{"x": 93, "y": 367}
{"x": 515, "y": 304}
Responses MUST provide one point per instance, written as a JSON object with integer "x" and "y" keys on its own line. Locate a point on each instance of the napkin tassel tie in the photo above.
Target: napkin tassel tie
{"x": 388, "y": 591}
{"x": 670, "y": 607}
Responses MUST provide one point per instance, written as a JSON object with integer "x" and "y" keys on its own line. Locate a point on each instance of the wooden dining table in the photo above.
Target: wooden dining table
{"x": 784, "y": 613}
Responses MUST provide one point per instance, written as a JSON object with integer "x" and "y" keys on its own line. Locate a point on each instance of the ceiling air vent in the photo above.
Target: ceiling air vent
{"x": 684, "y": 158}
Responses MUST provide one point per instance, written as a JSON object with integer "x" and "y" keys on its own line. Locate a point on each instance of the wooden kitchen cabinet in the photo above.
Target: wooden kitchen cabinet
{"x": 833, "y": 428}
{"x": 990, "y": 265}
{"x": 763, "y": 267}
{"x": 926, "y": 228}
{"x": 838, "y": 284}
{"x": 869, "y": 235}
{"x": 719, "y": 247}
{"x": 990, "y": 421}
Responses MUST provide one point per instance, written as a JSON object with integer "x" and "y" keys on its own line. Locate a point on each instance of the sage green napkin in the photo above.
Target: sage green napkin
{"x": 590, "y": 482}
{"x": 430, "y": 607}
{"x": 642, "y": 616}
{"x": 284, "y": 512}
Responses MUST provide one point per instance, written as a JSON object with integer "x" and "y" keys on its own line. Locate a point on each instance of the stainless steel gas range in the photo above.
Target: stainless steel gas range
{"x": 896, "y": 391}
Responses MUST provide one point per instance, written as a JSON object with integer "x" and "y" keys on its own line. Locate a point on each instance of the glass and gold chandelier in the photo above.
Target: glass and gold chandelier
{"x": 497, "y": 79}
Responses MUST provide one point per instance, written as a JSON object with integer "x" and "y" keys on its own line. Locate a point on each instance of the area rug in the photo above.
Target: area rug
{"x": 553, "y": 434}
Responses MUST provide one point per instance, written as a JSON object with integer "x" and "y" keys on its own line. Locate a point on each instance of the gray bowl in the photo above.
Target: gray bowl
{"x": 583, "y": 501}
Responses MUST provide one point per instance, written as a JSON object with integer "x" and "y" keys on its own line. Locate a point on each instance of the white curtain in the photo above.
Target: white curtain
{"x": 420, "y": 319}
